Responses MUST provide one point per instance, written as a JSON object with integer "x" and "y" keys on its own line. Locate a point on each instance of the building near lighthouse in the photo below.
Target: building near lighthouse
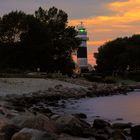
{"x": 82, "y": 50}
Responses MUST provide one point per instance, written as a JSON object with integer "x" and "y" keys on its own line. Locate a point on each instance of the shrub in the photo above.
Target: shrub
{"x": 134, "y": 76}
{"x": 93, "y": 78}
{"x": 109, "y": 79}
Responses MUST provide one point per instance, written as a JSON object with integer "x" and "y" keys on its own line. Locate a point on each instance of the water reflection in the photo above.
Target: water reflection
{"x": 124, "y": 108}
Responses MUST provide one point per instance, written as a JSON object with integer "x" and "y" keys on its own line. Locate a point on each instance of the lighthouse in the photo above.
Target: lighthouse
{"x": 82, "y": 50}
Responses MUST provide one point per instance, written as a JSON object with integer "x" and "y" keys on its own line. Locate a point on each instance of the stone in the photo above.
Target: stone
{"x": 33, "y": 134}
{"x": 118, "y": 135}
{"x": 55, "y": 117}
{"x": 135, "y": 132}
{"x": 127, "y": 131}
{"x": 101, "y": 137}
{"x": 108, "y": 130}
{"x": 42, "y": 110}
{"x": 89, "y": 132}
{"x": 68, "y": 137}
{"x": 40, "y": 122}
{"x": 9, "y": 130}
{"x": 81, "y": 115}
{"x": 71, "y": 125}
{"x": 58, "y": 86}
{"x": 3, "y": 122}
{"x": 99, "y": 123}
{"x": 121, "y": 125}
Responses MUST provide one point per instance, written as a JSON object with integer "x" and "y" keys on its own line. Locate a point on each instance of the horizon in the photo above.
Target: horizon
{"x": 104, "y": 21}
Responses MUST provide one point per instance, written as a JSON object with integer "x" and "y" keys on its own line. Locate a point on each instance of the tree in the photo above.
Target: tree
{"x": 41, "y": 40}
{"x": 11, "y": 27}
{"x": 116, "y": 55}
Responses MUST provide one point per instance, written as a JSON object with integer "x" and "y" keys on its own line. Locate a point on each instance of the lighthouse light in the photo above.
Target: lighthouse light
{"x": 82, "y": 30}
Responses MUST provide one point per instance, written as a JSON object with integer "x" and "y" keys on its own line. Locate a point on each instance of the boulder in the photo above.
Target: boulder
{"x": 3, "y": 122}
{"x": 101, "y": 137}
{"x": 9, "y": 130}
{"x": 127, "y": 131}
{"x": 40, "y": 122}
{"x": 80, "y": 115}
{"x": 71, "y": 125}
{"x": 135, "y": 132}
{"x": 68, "y": 137}
{"x": 42, "y": 110}
{"x": 121, "y": 125}
{"x": 54, "y": 116}
{"x": 76, "y": 138}
{"x": 118, "y": 135}
{"x": 108, "y": 130}
{"x": 33, "y": 134}
{"x": 100, "y": 124}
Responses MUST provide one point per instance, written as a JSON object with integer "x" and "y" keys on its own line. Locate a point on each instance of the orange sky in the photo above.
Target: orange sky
{"x": 125, "y": 21}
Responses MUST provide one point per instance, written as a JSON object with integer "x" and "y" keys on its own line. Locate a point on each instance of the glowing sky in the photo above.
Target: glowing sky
{"x": 104, "y": 19}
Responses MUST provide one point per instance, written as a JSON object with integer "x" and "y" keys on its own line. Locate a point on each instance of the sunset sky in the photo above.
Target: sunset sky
{"x": 104, "y": 19}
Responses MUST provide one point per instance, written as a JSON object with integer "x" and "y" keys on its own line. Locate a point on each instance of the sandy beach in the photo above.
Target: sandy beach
{"x": 29, "y": 85}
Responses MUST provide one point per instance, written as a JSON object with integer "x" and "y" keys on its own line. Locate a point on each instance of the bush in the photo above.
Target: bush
{"x": 109, "y": 80}
{"x": 134, "y": 76}
{"x": 93, "y": 78}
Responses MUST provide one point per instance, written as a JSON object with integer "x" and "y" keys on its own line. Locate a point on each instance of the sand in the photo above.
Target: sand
{"x": 29, "y": 85}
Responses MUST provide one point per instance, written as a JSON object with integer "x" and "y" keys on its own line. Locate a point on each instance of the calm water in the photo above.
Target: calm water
{"x": 126, "y": 107}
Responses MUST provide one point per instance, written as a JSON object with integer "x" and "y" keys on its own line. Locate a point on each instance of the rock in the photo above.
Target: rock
{"x": 58, "y": 86}
{"x": 80, "y": 115}
{"x": 33, "y": 134}
{"x": 89, "y": 132}
{"x": 40, "y": 122}
{"x": 118, "y": 135}
{"x": 42, "y": 110}
{"x": 3, "y": 122}
{"x": 135, "y": 132}
{"x": 68, "y": 137}
{"x": 71, "y": 125}
{"x": 101, "y": 137}
{"x": 54, "y": 116}
{"x": 2, "y": 111}
{"x": 121, "y": 125}
{"x": 9, "y": 130}
{"x": 99, "y": 123}
{"x": 76, "y": 138}
{"x": 127, "y": 131}
{"x": 2, "y": 136}
{"x": 108, "y": 130}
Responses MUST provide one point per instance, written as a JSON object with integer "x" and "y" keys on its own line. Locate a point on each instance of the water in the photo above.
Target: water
{"x": 125, "y": 108}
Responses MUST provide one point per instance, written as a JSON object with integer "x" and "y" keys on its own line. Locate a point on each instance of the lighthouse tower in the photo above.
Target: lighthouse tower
{"x": 82, "y": 50}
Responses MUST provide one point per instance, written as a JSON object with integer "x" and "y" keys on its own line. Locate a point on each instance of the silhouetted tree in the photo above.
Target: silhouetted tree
{"x": 41, "y": 40}
{"x": 116, "y": 55}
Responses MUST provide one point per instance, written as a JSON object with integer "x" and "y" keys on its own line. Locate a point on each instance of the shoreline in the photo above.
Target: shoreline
{"x": 16, "y": 109}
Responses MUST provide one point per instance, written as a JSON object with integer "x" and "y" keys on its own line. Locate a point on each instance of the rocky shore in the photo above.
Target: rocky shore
{"x": 22, "y": 117}
{"x": 40, "y": 123}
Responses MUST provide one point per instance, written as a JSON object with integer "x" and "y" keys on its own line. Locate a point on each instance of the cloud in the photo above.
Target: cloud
{"x": 125, "y": 6}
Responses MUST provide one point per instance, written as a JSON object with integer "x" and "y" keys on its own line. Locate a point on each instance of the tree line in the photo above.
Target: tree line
{"x": 119, "y": 56}
{"x": 40, "y": 40}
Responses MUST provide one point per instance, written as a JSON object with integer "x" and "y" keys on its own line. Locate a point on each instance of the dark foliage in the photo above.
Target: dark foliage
{"x": 42, "y": 40}
{"x": 119, "y": 56}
